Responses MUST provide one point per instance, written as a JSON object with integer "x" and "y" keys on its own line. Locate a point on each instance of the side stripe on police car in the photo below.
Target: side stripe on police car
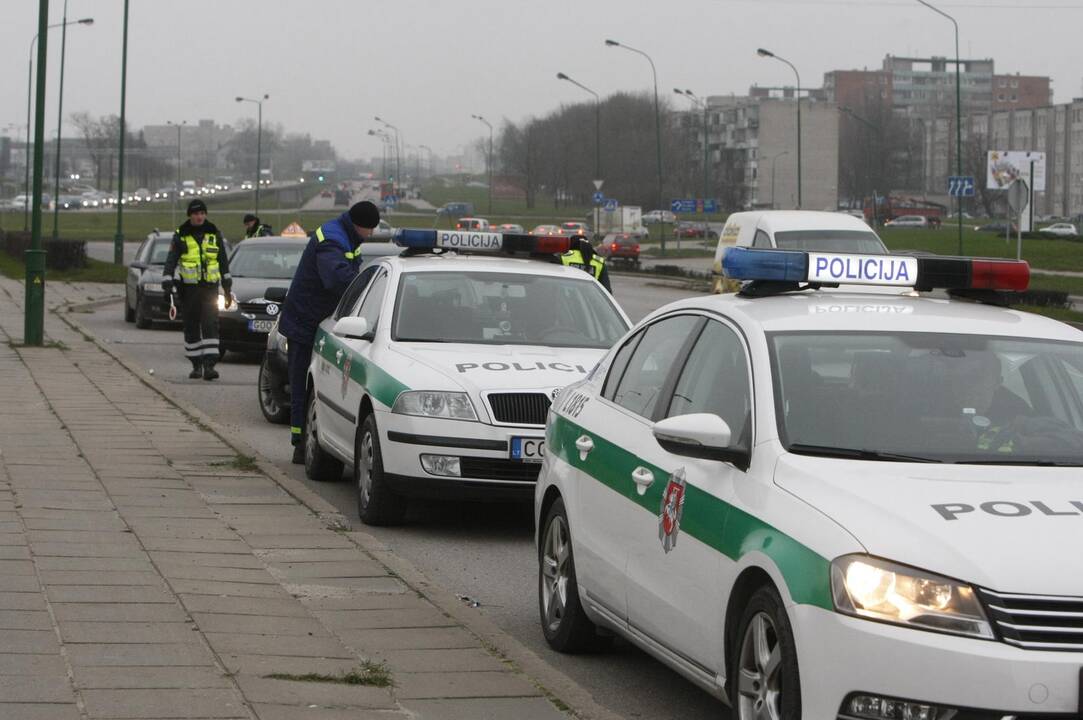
{"x": 714, "y": 522}
{"x": 376, "y": 381}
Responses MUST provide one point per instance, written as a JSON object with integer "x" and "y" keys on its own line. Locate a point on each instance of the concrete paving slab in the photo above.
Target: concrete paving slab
{"x": 215, "y": 587}
{"x": 15, "y": 689}
{"x": 16, "y": 567}
{"x": 346, "y": 587}
{"x": 157, "y": 655}
{"x": 55, "y": 549}
{"x": 485, "y": 709}
{"x": 294, "y": 712}
{"x": 240, "y": 644}
{"x": 79, "y": 631}
{"x": 25, "y": 620}
{"x": 117, "y": 678}
{"x": 224, "y": 574}
{"x": 164, "y": 703}
{"x": 98, "y": 594}
{"x": 259, "y": 625}
{"x": 47, "y": 665}
{"x": 54, "y": 578}
{"x": 463, "y": 684}
{"x": 206, "y": 546}
{"x": 100, "y": 521}
{"x": 21, "y": 601}
{"x": 39, "y": 711}
{"x": 269, "y": 607}
{"x": 459, "y": 660}
{"x": 290, "y": 555}
{"x": 307, "y": 542}
{"x": 260, "y": 665}
{"x": 288, "y": 692}
{"x": 133, "y": 564}
{"x": 115, "y": 612}
{"x": 19, "y": 583}
{"x": 371, "y": 641}
{"x": 362, "y": 566}
{"x": 34, "y": 642}
{"x": 15, "y": 552}
{"x": 371, "y": 601}
{"x": 419, "y": 617}
{"x": 163, "y": 559}
{"x": 89, "y": 537}
{"x": 168, "y": 512}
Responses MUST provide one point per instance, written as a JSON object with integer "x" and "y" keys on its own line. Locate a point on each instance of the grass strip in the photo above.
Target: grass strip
{"x": 370, "y": 673}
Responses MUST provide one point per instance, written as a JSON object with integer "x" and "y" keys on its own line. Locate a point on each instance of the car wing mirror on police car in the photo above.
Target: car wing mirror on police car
{"x": 275, "y": 294}
{"x": 352, "y": 327}
{"x": 700, "y": 435}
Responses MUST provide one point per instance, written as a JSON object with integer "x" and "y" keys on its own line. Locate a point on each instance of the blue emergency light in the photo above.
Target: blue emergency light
{"x": 921, "y": 273}
{"x": 479, "y": 241}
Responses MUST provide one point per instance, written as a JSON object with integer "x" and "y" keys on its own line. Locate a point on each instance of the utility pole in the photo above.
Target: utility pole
{"x": 118, "y": 239}
{"x": 34, "y": 298}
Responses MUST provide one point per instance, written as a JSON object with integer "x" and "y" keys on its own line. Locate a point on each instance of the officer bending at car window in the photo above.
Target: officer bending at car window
{"x": 976, "y": 383}
{"x": 197, "y": 250}
{"x": 328, "y": 264}
{"x": 254, "y": 228}
{"x": 582, "y": 256}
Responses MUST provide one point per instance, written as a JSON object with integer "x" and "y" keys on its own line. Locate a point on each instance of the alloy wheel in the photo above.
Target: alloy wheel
{"x": 555, "y": 573}
{"x": 759, "y": 678}
{"x": 364, "y": 468}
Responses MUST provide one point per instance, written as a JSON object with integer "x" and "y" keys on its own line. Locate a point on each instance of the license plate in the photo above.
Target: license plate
{"x": 528, "y": 449}
{"x": 264, "y": 326}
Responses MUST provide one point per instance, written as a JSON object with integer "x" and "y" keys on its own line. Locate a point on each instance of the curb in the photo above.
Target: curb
{"x": 555, "y": 684}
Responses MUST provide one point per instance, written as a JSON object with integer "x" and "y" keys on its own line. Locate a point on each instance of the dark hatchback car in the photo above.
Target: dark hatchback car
{"x": 256, "y": 264}
{"x": 144, "y": 301}
{"x": 274, "y": 385}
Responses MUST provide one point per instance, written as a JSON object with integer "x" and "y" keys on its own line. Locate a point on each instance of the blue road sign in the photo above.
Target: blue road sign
{"x": 682, "y": 206}
{"x": 598, "y": 198}
{"x": 610, "y": 204}
{"x": 961, "y": 186}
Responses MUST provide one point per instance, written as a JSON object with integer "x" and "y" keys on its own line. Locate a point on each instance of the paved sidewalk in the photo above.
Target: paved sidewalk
{"x": 144, "y": 573}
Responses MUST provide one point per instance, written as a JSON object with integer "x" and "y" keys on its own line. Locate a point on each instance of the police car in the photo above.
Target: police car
{"x": 435, "y": 373}
{"x": 823, "y": 503}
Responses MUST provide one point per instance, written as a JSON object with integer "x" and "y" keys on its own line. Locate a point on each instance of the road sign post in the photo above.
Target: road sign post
{"x": 1018, "y": 195}
{"x": 598, "y": 197}
{"x": 609, "y": 204}
{"x": 961, "y": 186}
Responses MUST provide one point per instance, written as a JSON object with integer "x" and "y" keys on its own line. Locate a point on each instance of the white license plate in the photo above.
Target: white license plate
{"x": 261, "y": 325}
{"x": 528, "y": 449}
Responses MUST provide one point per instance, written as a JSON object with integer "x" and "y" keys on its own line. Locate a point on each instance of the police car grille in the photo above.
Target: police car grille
{"x": 259, "y": 308}
{"x": 498, "y": 469}
{"x": 1036, "y": 622}
{"x": 519, "y": 408}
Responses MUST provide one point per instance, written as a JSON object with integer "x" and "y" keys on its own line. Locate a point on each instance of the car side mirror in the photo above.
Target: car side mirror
{"x": 700, "y": 435}
{"x": 352, "y": 327}
{"x": 275, "y": 294}
{"x": 139, "y": 265}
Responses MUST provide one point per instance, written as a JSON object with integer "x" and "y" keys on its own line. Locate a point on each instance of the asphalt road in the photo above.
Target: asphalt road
{"x": 484, "y": 553}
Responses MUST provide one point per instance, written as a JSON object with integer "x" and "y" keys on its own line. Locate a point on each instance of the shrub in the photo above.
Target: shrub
{"x": 1043, "y": 298}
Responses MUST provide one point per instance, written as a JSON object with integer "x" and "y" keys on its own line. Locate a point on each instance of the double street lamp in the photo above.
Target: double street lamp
{"x": 398, "y": 156}
{"x": 259, "y": 140}
{"x": 489, "y": 163}
{"x": 768, "y": 54}
{"x": 657, "y": 124}
{"x": 703, "y": 105}
{"x": 176, "y": 188}
{"x": 597, "y": 124}
{"x": 385, "y": 141}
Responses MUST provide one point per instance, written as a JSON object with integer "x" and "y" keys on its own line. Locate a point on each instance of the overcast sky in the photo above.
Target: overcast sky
{"x": 428, "y": 65}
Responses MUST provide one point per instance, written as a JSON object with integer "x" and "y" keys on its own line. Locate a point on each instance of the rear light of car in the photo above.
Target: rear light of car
{"x": 613, "y": 246}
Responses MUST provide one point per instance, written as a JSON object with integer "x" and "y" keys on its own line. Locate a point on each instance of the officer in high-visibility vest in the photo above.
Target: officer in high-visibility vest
{"x": 328, "y": 265}
{"x": 198, "y": 252}
{"x": 582, "y": 256}
{"x": 254, "y": 228}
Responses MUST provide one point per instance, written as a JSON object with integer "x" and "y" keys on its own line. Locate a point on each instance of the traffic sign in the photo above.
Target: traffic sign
{"x": 598, "y": 197}
{"x": 1018, "y": 194}
{"x": 598, "y": 184}
{"x": 682, "y": 206}
{"x": 961, "y": 186}
{"x": 610, "y": 204}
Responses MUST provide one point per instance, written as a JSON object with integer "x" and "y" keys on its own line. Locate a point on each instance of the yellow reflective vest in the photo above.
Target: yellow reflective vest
{"x": 574, "y": 258}
{"x": 199, "y": 262}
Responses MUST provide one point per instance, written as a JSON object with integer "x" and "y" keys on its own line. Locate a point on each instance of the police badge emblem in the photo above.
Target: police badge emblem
{"x": 669, "y": 518}
{"x": 346, "y": 374}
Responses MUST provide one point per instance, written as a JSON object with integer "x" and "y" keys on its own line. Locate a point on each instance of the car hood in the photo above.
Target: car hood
{"x": 492, "y": 368}
{"x": 248, "y": 289}
{"x": 1006, "y": 528}
{"x": 152, "y": 276}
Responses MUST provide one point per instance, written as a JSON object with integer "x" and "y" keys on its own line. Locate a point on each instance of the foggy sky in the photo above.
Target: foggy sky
{"x": 428, "y": 65}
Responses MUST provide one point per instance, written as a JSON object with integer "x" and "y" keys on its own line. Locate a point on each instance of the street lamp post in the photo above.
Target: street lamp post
{"x": 773, "y": 160}
{"x": 958, "y": 115}
{"x": 428, "y": 150}
{"x": 176, "y": 188}
{"x": 34, "y": 287}
{"x": 29, "y": 85}
{"x": 657, "y": 126}
{"x": 768, "y": 54}
{"x": 597, "y": 124}
{"x": 398, "y": 156}
{"x": 701, "y": 104}
{"x": 385, "y": 142}
{"x": 118, "y": 237}
{"x": 259, "y": 140}
{"x": 489, "y": 163}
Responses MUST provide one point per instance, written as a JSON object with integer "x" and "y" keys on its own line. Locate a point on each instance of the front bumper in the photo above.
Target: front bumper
{"x": 235, "y": 330}
{"x": 487, "y": 469}
{"x": 839, "y": 655}
{"x": 156, "y": 305}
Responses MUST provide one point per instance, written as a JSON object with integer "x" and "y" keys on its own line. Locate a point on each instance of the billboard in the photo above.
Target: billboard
{"x": 1005, "y": 166}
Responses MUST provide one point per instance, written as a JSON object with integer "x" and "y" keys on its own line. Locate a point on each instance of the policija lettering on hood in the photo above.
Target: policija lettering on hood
{"x": 500, "y": 366}
{"x": 1008, "y": 509}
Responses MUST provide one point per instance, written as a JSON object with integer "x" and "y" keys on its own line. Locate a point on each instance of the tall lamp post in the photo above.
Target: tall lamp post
{"x": 958, "y": 115}
{"x": 773, "y": 161}
{"x": 29, "y": 85}
{"x": 657, "y": 125}
{"x": 597, "y": 124}
{"x": 428, "y": 150}
{"x": 768, "y": 54}
{"x": 385, "y": 143}
{"x": 34, "y": 292}
{"x": 700, "y": 104}
{"x": 118, "y": 237}
{"x": 259, "y": 140}
{"x": 489, "y": 162}
{"x": 176, "y": 188}
{"x": 398, "y": 156}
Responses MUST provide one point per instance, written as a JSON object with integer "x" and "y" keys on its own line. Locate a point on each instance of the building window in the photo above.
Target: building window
{"x": 1000, "y": 97}
{"x": 1015, "y": 83}
{"x": 1014, "y": 98}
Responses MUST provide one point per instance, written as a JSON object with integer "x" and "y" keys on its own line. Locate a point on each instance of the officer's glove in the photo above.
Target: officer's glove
{"x": 167, "y": 286}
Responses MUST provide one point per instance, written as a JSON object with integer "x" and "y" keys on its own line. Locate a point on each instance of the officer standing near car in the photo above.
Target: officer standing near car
{"x": 197, "y": 250}
{"x": 328, "y": 265}
{"x": 582, "y": 256}
{"x": 254, "y": 228}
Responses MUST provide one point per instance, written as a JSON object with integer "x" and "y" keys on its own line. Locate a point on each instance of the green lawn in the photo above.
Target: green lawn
{"x": 95, "y": 271}
{"x": 1047, "y": 254}
{"x": 1056, "y": 313}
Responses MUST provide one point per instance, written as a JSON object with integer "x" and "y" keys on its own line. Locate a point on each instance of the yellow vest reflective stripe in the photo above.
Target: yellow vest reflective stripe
{"x": 574, "y": 258}
{"x": 200, "y": 260}
{"x": 349, "y": 255}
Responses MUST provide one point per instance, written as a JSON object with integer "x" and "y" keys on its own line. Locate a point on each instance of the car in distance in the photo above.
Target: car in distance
{"x": 908, "y": 221}
{"x": 144, "y": 300}
{"x": 547, "y": 230}
{"x": 574, "y": 227}
{"x": 622, "y": 247}
{"x": 508, "y": 228}
{"x": 1061, "y": 229}
{"x": 659, "y": 216}
{"x": 472, "y": 223}
{"x": 455, "y": 209}
{"x": 997, "y": 227}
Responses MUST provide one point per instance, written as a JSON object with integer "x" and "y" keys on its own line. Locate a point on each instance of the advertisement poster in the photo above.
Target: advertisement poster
{"x": 1005, "y": 166}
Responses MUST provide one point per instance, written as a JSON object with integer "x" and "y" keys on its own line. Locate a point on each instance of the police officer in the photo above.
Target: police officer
{"x": 329, "y": 263}
{"x": 254, "y": 228}
{"x": 197, "y": 250}
{"x": 582, "y": 256}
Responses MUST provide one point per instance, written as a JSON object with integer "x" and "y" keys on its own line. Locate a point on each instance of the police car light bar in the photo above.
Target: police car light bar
{"x": 921, "y": 273}
{"x": 476, "y": 241}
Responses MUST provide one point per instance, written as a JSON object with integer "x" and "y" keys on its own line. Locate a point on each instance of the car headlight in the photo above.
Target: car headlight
{"x": 454, "y": 405}
{"x": 876, "y": 589}
{"x": 222, "y": 302}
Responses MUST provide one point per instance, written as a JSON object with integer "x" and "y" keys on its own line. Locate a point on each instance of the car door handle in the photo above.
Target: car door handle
{"x": 584, "y": 445}
{"x": 338, "y": 357}
{"x": 320, "y": 343}
{"x": 643, "y": 478}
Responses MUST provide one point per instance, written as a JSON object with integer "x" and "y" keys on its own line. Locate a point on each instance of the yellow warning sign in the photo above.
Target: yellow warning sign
{"x": 37, "y": 280}
{"x": 294, "y": 230}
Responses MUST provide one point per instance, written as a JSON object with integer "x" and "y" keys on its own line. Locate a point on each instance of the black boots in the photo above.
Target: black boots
{"x": 298, "y": 454}
{"x": 197, "y": 368}
{"x": 209, "y": 373}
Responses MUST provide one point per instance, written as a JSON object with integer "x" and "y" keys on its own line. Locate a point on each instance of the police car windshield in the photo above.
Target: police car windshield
{"x": 264, "y": 260}
{"x": 494, "y": 308}
{"x": 159, "y": 252}
{"x": 864, "y": 242}
{"x": 929, "y": 396}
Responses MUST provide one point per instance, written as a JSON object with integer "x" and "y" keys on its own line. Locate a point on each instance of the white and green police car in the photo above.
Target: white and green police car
{"x": 435, "y": 373}
{"x": 824, "y": 503}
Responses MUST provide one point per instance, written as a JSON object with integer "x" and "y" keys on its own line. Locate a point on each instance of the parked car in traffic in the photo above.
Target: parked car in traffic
{"x": 1061, "y": 229}
{"x": 659, "y": 216}
{"x": 908, "y": 221}
{"x": 571, "y": 227}
{"x": 456, "y": 209}
{"x": 547, "y": 230}
{"x": 472, "y": 223}
{"x": 509, "y": 228}
{"x": 623, "y": 247}
{"x": 997, "y": 227}
{"x": 144, "y": 300}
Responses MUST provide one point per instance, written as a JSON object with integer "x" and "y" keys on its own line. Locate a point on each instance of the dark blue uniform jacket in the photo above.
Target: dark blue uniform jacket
{"x": 325, "y": 270}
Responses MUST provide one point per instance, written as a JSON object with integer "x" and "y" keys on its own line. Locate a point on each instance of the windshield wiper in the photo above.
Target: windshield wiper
{"x": 1033, "y": 462}
{"x": 857, "y": 454}
{"x": 425, "y": 340}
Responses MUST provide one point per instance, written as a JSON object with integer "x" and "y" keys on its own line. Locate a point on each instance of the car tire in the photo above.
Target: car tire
{"x": 564, "y": 622}
{"x": 377, "y": 504}
{"x": 319, "y": 465}
{"x": 129, "y": 311}
{"x": 270, "y": 401}
{"x": 764, "y": 661}
{"x": 141, "y": 320}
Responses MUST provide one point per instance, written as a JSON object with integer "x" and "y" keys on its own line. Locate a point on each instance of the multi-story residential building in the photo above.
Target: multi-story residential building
{"x": 202, "y": 144}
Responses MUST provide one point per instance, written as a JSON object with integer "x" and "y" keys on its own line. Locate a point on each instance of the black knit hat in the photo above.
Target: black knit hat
{"x": 197, "y": 205}
{"x": 249, "y": 217}
{"x": 365, "y": 214}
